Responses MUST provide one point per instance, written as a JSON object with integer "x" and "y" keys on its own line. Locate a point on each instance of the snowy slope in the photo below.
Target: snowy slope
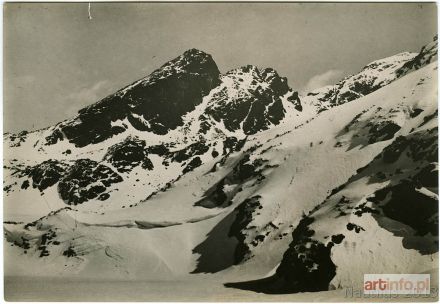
{"x": 332, "y": 244}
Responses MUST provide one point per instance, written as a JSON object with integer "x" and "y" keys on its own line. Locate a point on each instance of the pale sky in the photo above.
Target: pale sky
{"x": 56, "y": 60}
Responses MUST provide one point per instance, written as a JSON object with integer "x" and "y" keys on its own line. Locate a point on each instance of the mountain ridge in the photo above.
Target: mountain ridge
{"x": 250, "y": 182}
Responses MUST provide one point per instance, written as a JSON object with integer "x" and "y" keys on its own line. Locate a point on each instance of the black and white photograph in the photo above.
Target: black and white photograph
{"x": 220, "y": 152}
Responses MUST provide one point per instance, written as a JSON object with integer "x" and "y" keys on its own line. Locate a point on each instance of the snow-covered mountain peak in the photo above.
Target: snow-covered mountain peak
{"x": 389, "y": 62}
{"x": 251, "y": 99}
{"x": 192, "y": 61}
{"x": 155, "y": 103}
{"x": 185, "y": 99}
{"x": 372, "y": 77}
{"x": 247, "y": 79}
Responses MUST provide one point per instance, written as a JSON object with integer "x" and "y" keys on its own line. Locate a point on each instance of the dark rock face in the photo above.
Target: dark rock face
{"x": 367, "y": 131}
{"x": 128, "y": 154}
{"x": 197, "y": 148}
{"x": 413, "y": 211}
{"x": 54, "y": 137}
{"x": 25, "y": 185}
{"x": 85, "y": 180}
{"x": 306, "y": 265}
{"x": 421, "y": 146}
{"x": 428, "y": 118}
{"x": 381, "y": 131}
{"x": 46, "y": 174}
{"x": 408, "y": 205}
{"x": 16, "y": 139}
{"x": 214, "y": 196}
{"x": 405, "y": 204}
{"x": 296, "y": 101}
{"x": 160, "y": 150}
{"x": 194, "y": 163}
{"x": 356, "y": 228}
{"x": 255, "y": 108}
{"x": 427, "y": 54}
{"x": 245, "y": 170}
{"x": 70, "y": 252}
{"x": 428, "y": 176}
{"x": 307, "y": 268}
{"x": 232, "y": 144}
{"x": 155, "y": 103}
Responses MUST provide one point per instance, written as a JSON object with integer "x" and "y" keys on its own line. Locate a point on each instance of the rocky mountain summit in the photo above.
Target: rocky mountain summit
{"x": 155, "y": 103}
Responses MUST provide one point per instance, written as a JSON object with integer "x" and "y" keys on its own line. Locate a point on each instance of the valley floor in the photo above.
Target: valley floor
{"x": 199, "y": 288}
